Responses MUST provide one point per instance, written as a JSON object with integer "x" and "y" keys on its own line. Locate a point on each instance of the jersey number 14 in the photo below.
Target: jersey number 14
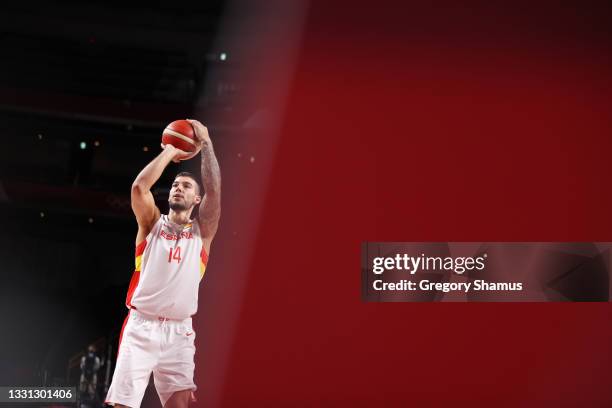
{"x": 175, "y": 254}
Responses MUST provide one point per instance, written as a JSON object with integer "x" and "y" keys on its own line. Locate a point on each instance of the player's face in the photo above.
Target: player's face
{"x": 183, "y": 194}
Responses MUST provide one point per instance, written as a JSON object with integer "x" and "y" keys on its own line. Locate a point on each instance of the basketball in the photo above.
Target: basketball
{"x": 181, "y": 135}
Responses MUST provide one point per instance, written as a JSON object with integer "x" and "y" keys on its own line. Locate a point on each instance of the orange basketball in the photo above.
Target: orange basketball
{"x": 181, "y": 135}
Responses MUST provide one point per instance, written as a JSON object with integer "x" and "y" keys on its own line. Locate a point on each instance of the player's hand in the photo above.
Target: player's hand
{"x": 200, "y": 130}
{"x": 178, "y": 154}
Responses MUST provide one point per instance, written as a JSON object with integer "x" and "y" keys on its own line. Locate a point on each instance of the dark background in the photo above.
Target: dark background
{"x": 85, "y": 91}
{"x": 438, "y": 122}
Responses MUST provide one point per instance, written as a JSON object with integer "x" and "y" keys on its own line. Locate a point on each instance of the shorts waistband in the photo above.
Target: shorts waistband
{"x": 147, "y": 316}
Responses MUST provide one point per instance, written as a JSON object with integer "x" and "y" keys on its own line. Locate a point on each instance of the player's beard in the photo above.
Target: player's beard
{"x": 178, "y": 205}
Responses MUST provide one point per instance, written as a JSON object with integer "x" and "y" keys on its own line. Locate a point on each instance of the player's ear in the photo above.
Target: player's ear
{"x": 198, "y": 199}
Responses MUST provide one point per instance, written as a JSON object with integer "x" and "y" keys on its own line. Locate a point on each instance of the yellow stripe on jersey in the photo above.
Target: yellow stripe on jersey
{"x": 139, "y": 251}
{"x": 202, "y": 269}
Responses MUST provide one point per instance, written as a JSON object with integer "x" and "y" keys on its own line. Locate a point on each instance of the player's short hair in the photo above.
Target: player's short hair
{"x": 191, "y": 176}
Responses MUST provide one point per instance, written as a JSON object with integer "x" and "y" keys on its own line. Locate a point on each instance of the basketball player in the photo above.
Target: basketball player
{"x": 171, "y": 255}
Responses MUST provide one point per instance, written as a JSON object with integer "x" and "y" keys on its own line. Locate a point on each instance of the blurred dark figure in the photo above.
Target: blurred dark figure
{"x": 90, "y": 364}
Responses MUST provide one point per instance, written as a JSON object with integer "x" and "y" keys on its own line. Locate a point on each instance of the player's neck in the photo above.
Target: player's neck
{"x": 179, "y": 217}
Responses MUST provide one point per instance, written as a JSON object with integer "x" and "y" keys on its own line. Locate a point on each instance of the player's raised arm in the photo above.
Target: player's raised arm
{"x": 210, "y": 209}
{"x": 143, "y": 203}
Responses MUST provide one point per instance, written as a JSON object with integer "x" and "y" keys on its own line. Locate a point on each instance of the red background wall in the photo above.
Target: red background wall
{"x": 437, "y": 123}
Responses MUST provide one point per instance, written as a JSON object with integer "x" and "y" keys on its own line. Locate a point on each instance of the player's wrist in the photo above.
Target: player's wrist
{"x": 171, "y": 153}
{"x": 169, "y": 148}
{"x": 206, "y": 145}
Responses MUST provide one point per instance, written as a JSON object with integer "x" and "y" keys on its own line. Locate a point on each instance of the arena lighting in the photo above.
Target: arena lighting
{"x": 223, "y": 56}
{"x": 83, "y": 145}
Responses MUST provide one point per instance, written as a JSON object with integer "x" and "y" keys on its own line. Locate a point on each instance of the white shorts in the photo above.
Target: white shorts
{"x": 152, "y": 345}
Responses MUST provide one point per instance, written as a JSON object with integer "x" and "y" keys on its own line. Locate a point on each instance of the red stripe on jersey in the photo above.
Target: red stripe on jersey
{"x": 132, "y": 288}
{"x": 204, "y": 256}
{"x": 135, "y": 276}
{"x": 141, "y": 247}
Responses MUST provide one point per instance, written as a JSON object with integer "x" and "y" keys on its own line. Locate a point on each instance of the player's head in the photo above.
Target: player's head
{"x": 185, "y": 192}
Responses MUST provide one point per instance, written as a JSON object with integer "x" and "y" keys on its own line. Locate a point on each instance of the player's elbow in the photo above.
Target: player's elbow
{"x": 212, "y": 187}
{"x": 138, "y": 188}
{"x": 213, "y": 195}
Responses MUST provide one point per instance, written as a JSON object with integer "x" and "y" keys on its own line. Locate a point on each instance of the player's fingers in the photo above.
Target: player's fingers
{"x": 191, "y": 155}
{"x": 197, "y": 123}
{"x": 194, "y": 125}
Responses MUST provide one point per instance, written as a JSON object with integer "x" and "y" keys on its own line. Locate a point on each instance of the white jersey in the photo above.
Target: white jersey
{"x": 170, "y": 263}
